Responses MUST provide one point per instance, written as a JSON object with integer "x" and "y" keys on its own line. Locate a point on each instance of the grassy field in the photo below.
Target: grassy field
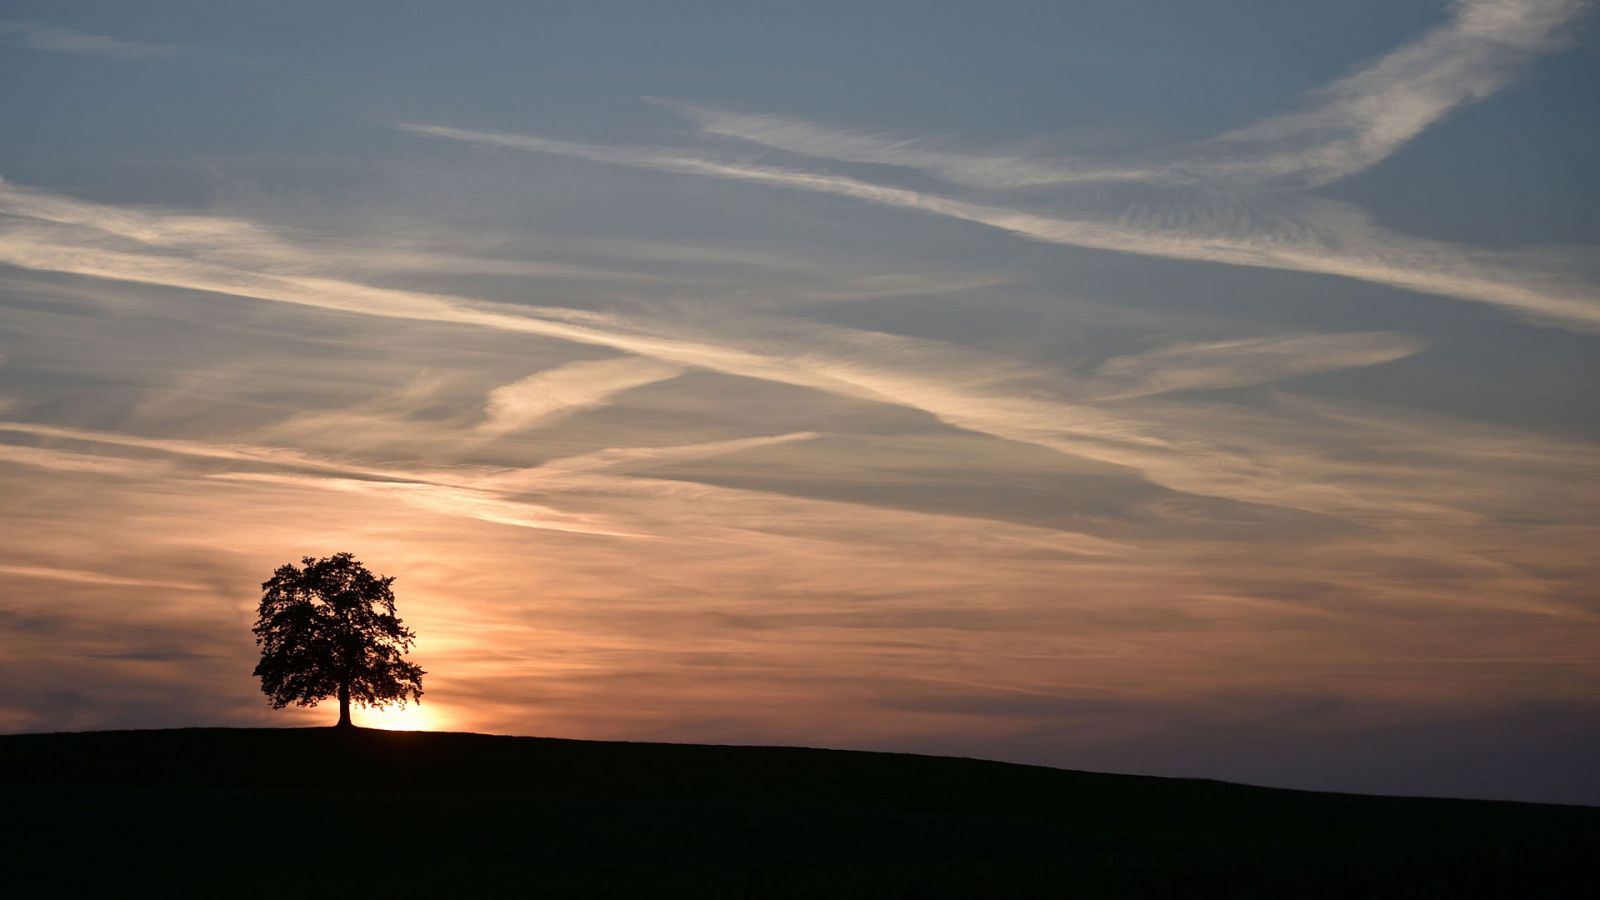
{"x": 315, "y": 812}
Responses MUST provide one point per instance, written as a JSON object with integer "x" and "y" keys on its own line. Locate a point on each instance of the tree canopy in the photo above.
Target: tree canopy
{"x": 329, "y": 629}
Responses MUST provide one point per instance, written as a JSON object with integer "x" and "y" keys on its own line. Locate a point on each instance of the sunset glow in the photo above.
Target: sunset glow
{"x": 1119, "y": 386}
{"x": 412, "y": 717}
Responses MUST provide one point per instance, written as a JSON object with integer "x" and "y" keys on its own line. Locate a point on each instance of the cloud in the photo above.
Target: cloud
{"x": 446, "y": 500}
{"x": 1224, "y": 452}
{"x": 234, "y": 452}
{"x": 987, "y": 170}
{"x": 1347, "y": 126}
{"x": 1365, "y": 116}
{"x": 557, "y": 392}
{"x": 966, "y": 390}
{"x": 1230, "y": 200}
{"x": 81, "y": 43}
{"x": 565, "y": 495}
{"x": 1304, "y": 235}
{"x": 197, "y": 253}
{"x": 484, "y": 493}
{"x": 83, "y": 463}
{"x": 82, "y": 576}
{"x": 1248, "y": 361}
{"x": 617, "y": 459}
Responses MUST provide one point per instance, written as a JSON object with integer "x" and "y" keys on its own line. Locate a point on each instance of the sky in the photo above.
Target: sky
{"x": 1140, "y": 386}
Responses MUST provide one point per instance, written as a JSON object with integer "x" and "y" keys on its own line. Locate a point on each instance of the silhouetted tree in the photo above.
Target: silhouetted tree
{"x": 328, "y": 630}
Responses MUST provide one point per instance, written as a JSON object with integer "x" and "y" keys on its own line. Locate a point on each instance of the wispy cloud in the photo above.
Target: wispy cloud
{"x": 961, "y": 388}
{"x": 1345, "y": 127}
{"x": 84, "y": 576}
{"x": 1247, "y": 361}
{"x": 1365, "y": 116}
{"x": 272, "y": 456}
{"x": 631, "y": 459}
{"x": 82, "y": 43}
{"x": 1221, "y": 201}
{"x": 82, "y": 463}
{"x": 1286, "y": 459}
{"x": 546, "y": 395}
{"x": 986, "y": 170}
{"x": 446, "y": 500}
{"x": 1317, "y": 236}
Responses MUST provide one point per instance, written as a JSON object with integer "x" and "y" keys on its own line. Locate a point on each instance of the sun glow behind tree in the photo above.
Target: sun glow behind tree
{"x": 411, "y": 717}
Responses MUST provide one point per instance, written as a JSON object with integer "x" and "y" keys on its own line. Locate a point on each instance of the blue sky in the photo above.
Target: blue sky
{"x": 1189, "y": 389}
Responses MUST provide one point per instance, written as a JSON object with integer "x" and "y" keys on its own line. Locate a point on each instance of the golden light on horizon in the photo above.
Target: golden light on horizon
{"x": 411, "y": 717}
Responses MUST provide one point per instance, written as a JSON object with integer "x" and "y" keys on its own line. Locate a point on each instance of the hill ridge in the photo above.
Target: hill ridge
{"x": 565, "y": 817}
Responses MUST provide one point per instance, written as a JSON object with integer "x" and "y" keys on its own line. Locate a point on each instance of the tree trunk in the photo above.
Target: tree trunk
{"x": 344, "y": 707}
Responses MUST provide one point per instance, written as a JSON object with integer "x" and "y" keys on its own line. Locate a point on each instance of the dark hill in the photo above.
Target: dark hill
{"x": 315, "y": 812}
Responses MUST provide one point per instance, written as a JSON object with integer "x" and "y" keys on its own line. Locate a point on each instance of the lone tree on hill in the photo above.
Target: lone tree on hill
{"x": 328, "y": 630}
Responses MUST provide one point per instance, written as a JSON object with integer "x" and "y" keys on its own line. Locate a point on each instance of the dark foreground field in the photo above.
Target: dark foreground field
{"x": 312, "y": 812}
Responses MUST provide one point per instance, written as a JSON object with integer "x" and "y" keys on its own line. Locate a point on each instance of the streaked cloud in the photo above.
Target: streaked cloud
{"x": 1322, "y": 237}
{"x": 1365, "y": 116}
{"x": 66, "y": 40}
{"x": 874, "y": 366}
{"x": 1350, "y": 125}
{"x": 991, "y": 170}
{"x": 1345, "y": 127}
{"x": 81, "y": 576}
{"x": 545, "y": 395}
{"x": 1247, "y": 361}
{"x": 65, "y": 461}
